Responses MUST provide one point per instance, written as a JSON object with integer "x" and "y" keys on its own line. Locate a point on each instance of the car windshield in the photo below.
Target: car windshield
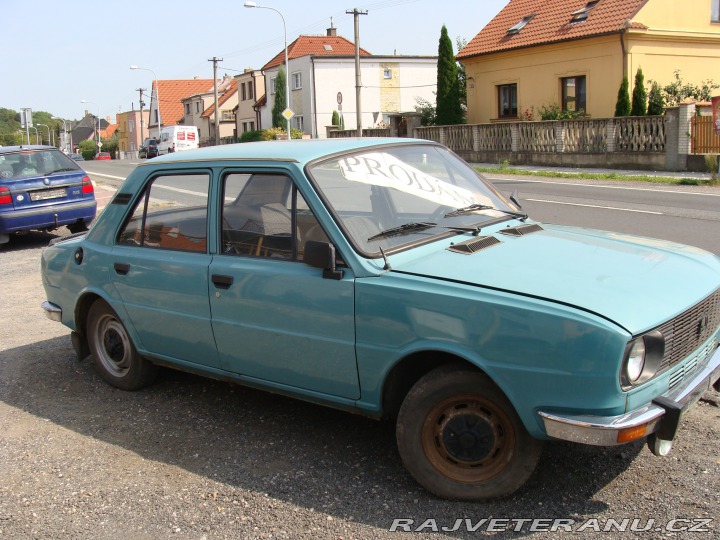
{"x": 392, "y": 197}
{"x": 27, "y": 163}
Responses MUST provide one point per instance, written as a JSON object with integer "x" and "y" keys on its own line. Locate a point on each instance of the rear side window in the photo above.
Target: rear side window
{"x": 171, "y": 214}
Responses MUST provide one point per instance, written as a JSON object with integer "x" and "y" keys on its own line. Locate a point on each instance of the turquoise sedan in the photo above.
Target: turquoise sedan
{"x": 386, "y": 277}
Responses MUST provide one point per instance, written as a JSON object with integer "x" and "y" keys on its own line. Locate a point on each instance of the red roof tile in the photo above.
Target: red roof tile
{"x": 316, "y": 46}
{"x": 230, "y": 91}
{"x": 551, "y": 24}
{"x": 171, "y": 94}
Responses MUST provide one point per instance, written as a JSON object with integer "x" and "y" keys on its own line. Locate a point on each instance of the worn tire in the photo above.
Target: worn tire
{"x": 113, "y": 351}
{"x": 460, "y": 438}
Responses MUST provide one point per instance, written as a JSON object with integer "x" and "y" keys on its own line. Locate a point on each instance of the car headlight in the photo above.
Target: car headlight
{"x": 643, "y": 357}
{"x": 636, "y": 361}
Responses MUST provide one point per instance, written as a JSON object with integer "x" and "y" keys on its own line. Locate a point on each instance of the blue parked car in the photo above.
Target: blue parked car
{"x": 386, "y": 277}
{"x": 42, "y": 189}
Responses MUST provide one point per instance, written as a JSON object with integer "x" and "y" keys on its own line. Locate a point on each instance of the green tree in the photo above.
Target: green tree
{"x": 622, "y": 107}
{"x": 677, "y": 91}
{"x": 461, "y": 43}
{"x": 335, "y": 119}
{"x": 88, "y": 149}
{"x": 639, "y": 95}
{"x": 656, "y": 102}
{"x": 278, "y": 120}
{"x": 448, "y": 107}
{"x": 426, "y": 110}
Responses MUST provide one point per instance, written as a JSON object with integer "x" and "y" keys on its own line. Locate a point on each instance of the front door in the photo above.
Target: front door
{"x": 275, "y": 318}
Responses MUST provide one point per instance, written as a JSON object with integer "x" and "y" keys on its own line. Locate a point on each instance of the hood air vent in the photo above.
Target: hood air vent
{"x": 474, "y": 245}
{"x": 522, "y": 230}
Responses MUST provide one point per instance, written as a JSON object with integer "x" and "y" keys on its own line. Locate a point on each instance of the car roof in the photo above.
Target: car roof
{"x": 11, "y": 149}
{"x": 301, "y": 151}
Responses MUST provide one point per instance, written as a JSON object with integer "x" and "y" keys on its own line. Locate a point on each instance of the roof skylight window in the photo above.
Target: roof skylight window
{"x": 519, "y": 26}
{"x": 582, "y": 14}
{"x": 328, "y": 47}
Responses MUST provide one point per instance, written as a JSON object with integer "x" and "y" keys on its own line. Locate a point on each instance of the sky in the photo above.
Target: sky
{"x": 59, "y": 53}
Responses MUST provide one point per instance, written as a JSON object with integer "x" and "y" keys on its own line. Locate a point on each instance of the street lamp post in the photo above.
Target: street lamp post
{"x": 48, "y": 130}
{"x": 98, "y": 120}
{"x": 157, "y": 98}
{"x": 287, "y": 65}
{"x": 37, "y": 137}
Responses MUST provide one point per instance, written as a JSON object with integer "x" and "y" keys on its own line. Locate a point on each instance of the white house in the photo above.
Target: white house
{"x": 322, "y": 69}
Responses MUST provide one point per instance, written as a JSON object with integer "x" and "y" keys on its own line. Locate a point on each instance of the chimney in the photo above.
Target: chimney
{"x": 332, "y": 31}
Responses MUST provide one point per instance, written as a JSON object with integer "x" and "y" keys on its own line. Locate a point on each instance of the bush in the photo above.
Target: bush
{"x": 639, "y": 96}
{"x": 656, "y": 103}
{"x": 251, "y": 136}
{"x": 87, "y": 149}
{"x": 271, "y": 134}
{"x": 554, "y": 112}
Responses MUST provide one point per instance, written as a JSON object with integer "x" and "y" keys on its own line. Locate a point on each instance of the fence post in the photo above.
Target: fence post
{"x": 476, "y": 137}
{"x": 443, "y": 138}
{"x": 560, "y": 135}
{"x": 685, "y": 112}
{"x": 514, "y": 137}
{"x": 610, "y": 135}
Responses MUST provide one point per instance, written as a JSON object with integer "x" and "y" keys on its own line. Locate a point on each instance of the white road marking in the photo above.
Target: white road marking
{"x": 597, "y": 206}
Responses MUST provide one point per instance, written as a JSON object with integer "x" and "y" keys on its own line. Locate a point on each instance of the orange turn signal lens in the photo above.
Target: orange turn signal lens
{"x": 630, "y": 434}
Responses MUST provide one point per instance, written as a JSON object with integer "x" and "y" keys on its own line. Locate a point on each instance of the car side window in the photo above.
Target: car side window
{"x": 171, "y": 214}
{"x": 265, "y": 216}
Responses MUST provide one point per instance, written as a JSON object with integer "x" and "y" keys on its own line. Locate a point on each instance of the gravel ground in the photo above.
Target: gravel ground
{"x": 199, "y": 459}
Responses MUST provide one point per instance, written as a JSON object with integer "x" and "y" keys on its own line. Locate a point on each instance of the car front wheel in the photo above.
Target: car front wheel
{"x": 460, "y": 438}
{"x": 113, "y": 351}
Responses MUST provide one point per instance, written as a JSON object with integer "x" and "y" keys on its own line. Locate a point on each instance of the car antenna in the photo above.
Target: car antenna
{"x": 387, "y": 263}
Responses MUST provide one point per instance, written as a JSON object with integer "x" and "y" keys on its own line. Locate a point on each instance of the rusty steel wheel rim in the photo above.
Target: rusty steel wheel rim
{"x": 468, "y": 438}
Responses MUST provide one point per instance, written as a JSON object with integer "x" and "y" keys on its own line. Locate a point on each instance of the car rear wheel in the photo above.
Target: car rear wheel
{"x": 78, "y": 227}
{"x": 113, "y": 351}
{"x": 460, "y": 438}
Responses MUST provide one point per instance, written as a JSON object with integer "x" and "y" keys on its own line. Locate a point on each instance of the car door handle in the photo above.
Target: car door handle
{"x": 121, "y": 268}
{"x": 222, "y": 282}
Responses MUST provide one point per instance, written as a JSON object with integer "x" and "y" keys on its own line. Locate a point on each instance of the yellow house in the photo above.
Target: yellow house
{"x": 575, "y": 53}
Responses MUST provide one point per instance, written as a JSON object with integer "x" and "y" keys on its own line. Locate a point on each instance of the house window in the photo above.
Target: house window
{"x": 250, "y": 86}
{"x": 297, "y": 80}
{"x": 272, "y": 85}
{"x": 387, "y": 73}
{"x": 581, "y": 14}
{"x": 131, "y": 126}
{"x": 197, "y": 106}
{"x": 243, "y": 91}
{"x": 715, "y": 16}
{"x": 298, "y": 122}
{"x": 507, "y": 101}
{"x": 187, "y": 108}
{"x": 573, "y": 94}
{"x": 522, "y": 24}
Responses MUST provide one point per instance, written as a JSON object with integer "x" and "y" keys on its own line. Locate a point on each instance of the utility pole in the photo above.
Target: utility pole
{"x": 358, "y": 84}
{"x": 142, "y": 124}
{"x": 215, "y": 61}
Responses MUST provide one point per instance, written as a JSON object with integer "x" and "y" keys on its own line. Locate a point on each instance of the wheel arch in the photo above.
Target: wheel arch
{"x": 410, "y": 369}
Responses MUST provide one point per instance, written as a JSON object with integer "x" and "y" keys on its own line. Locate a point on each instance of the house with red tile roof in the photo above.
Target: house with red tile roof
{"x": 322, "y": 73}
{"x": 575, "y": 53}
{"x": 251, "y": 97}
{"x": 171, "y": 94}
{"x": 199, "y": 110}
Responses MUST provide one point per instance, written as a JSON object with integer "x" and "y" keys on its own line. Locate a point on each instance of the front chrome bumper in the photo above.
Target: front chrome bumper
{"x": 661, "y": 417}
{"x": 53, "y": 312}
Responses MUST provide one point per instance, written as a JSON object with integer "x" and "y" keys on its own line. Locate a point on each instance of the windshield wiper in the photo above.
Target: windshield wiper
{"x": 403, "y": 229}
{"x": 63, "y": 170}
{"x": 476, "y": 207}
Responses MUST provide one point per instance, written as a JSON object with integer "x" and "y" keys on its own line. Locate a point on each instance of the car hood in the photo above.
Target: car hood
{"x": 636, "y": 282}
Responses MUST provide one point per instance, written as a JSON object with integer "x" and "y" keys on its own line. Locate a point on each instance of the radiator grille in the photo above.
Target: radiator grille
{"x": 689, "y": 330}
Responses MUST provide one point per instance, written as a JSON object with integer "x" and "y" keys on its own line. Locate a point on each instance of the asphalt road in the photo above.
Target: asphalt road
{"x": 191, "y": 458}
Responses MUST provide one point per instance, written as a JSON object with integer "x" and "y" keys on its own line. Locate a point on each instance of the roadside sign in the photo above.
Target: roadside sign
{"x": 288, "y": 114}
{"x": 100, "y": 144}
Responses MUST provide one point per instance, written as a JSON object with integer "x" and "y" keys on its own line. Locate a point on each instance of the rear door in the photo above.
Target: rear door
{"x": 159, "y": 266}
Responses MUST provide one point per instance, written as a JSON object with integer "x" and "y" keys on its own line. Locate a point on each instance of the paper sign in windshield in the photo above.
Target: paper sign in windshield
{"x": 380, "y": 169}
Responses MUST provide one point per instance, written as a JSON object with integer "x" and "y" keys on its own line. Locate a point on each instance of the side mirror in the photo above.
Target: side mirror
{"x": 322, "y": 255}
